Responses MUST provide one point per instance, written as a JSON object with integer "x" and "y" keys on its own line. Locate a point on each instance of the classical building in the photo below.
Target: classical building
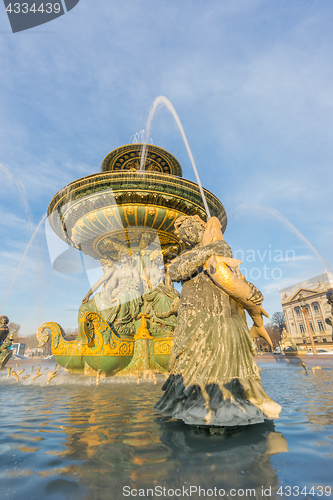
{"x": 314, "y": 292}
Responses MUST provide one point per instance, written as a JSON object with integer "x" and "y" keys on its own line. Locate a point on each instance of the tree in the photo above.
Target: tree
{"x": 71, "y": 333}
{"x": 279, "y": 321}
{"x": 275, "y": 336}
{"x": 262, "y": 344}
{"x": 14, "y": 328}
{"x": 274, "y": 333}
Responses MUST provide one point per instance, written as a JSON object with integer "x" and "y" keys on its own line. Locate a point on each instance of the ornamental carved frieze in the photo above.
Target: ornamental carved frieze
{"x": 163, "y": 346}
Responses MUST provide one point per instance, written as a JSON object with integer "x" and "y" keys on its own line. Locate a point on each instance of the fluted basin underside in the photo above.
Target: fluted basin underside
{"x": 99, "y": 212}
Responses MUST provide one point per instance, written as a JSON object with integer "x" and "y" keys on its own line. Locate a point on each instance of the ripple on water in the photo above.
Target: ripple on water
{"x": 75, "y": 440}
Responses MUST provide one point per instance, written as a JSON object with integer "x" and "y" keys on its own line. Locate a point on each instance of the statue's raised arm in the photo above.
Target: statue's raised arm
{"x": 109, "y": 268}
{"x": 191, "y": 230}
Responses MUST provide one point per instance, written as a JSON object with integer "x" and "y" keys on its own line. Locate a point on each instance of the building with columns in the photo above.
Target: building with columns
{"x": 314, "y": 292}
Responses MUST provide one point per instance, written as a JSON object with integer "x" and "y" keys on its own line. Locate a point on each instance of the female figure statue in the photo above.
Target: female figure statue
{"x": 159, "y": 297}
{"x": 126, "y": 292}
{"x": 214, "y": 378}
{"x": 102, "y": 299}
{"x": 119, "y": 302}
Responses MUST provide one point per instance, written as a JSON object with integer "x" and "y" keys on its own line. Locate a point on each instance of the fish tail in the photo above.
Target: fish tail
{"x": 259, "y": 331}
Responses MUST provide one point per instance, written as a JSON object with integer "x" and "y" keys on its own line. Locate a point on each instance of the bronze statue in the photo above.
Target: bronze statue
{"x": 126, "y": 291}
{"x": 109, "y": 268}
{"x": 153, "y": 274}
{"x": 102, "y": 299}
{"x": 214, "y": 378}
{"x": 5, "y": 341}
{"x": 160, "y": 296}
{"x": 119, "y": 302}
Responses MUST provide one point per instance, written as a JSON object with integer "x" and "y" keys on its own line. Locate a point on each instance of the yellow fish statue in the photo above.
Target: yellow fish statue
{"x": 219, "y": 270}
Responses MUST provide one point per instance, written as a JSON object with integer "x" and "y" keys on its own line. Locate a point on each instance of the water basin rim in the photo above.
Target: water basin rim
{"x": 84, "y": 182}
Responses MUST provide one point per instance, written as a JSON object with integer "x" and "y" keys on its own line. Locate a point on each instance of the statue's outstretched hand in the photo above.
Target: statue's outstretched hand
{"x": 86, "y": 298}
{"x": 255, "y": 296}
{"x": 328, "y": 321}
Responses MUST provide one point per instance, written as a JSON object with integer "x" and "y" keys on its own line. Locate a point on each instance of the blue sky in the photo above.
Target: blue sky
{"x": 251, "y": 81}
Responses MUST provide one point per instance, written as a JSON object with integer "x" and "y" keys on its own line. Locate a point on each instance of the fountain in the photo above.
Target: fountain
{"x": 69, "y": 438}
{"x": 133, "y": 219}
{"x": 126, "y": 216}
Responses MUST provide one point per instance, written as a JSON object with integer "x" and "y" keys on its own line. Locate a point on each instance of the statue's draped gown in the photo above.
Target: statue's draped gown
{"x": 159, "y": 300}
{"x": 214, "y": 378}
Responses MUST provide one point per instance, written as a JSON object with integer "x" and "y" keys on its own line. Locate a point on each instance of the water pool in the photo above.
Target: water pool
{"x": 72, "y": 439}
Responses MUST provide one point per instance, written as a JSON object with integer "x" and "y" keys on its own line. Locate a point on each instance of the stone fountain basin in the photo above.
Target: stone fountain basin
{"x": 99, "y": 212}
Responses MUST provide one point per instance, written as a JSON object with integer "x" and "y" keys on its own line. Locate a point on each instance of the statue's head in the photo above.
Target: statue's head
{"x": 107, "y": 263}
{"x": 329, "y": 296}
{"x": 124, "y": 256}
{"x": 4, "y": 320}
{"x": 190, "y": 229}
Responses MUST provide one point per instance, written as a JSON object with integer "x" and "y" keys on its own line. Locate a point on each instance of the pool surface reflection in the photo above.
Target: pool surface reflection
{"x": 72, "y": 439}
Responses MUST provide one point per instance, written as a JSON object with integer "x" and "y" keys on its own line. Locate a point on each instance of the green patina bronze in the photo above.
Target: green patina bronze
{"x": 5, "y": 342}
{"x": 74, "y": 364}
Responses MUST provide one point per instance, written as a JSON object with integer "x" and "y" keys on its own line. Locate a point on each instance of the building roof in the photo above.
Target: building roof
{"x": 320, "y": 283}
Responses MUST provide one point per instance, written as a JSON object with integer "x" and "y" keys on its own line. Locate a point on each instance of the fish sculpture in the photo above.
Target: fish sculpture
{"x": 218, "y": 268}
{"x": 50, "y": 376}
{"x": 15, "y": 375}
{"x": 38, "y": 374}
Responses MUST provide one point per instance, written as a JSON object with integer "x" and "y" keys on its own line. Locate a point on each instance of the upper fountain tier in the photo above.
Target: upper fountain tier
{"x": 129, "y": 157}
{"x": 124, "y": 207}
